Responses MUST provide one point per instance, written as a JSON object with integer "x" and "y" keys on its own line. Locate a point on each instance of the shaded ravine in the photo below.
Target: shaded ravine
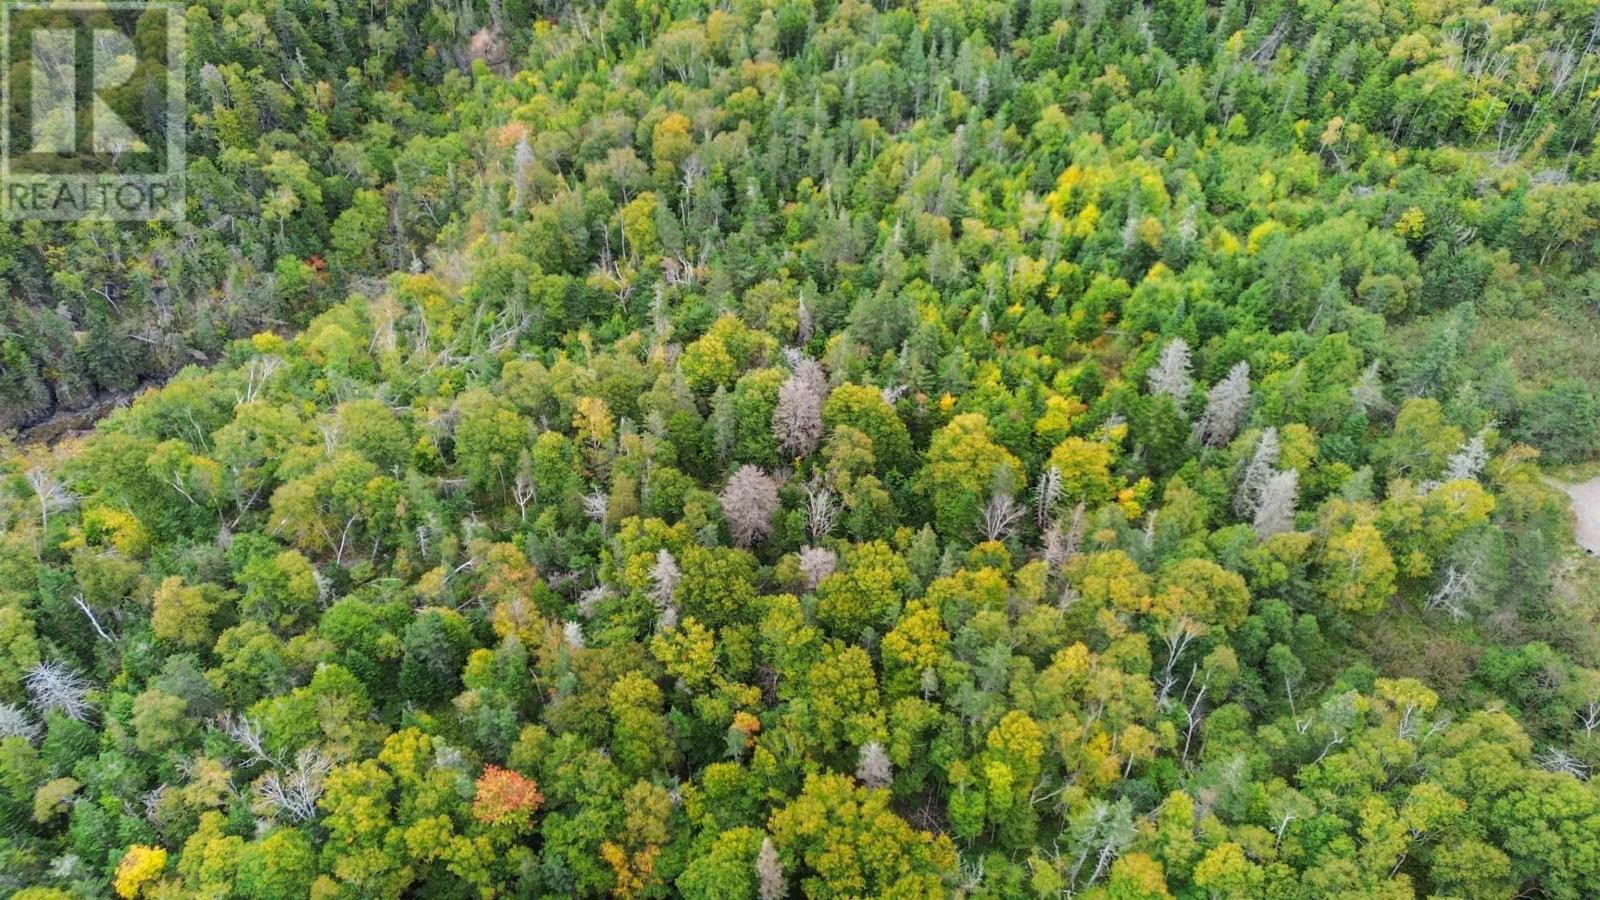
{"x": 75, "y": 422}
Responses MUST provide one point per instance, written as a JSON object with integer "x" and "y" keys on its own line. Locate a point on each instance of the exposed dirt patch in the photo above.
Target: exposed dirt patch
{"x": 1586, "y": 513}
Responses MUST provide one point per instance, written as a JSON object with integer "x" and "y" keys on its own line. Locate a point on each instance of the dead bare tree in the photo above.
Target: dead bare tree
{"x": 1455, "y": 588}
{"x": 1466, "y": 463}
{"x": 797, "y": 417}
{"x": 51, "y": 685}
{"x": 1000, "y": 516}
{"x": 664, "y": 578}
{"x": 250, "y": 737}
{"x": 1226, "y": 403}
{"x": 748, "y": 501}
{"x": 875, "y": 771}
{"x": 1046, "y": 494}
{"x": 770, "y": 883}
{"x": 1555, "y": 759}
{"x": 14, "y": 722}
{"x": 77, "y": 599}
{"x": 1275, "y": 505}
{"x": 295, "y": 793}
{"x": 817, "y": 563}
{"x": 1589, "y": 716}
{"x": 1177, "y": 637}
{"x": 595, "y": 505}
{"x": 1367, "y": 392}
{"x": 822, "y": 511}
{"x": 257, "y": 372}
{"x": 523, "y": 493}
{"x": 51, "y": 494}
{"x": 1257, "y": 472}
{"x": 1170, "y": 375}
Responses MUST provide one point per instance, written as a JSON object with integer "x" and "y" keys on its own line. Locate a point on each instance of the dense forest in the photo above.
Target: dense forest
{"x": 797, "y": 448}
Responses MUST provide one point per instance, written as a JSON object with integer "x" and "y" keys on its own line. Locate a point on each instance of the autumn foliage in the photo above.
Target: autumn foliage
{"x": 505, "y": 798}
{"x": 139, "y": 867}
{"x": 807, "y": 449}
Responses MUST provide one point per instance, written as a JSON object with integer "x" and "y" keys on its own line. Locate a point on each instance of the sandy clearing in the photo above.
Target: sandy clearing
{"x": 1586, "y": 511}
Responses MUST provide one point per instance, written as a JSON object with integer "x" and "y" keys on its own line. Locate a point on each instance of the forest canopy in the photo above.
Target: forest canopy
{"x": 793, "y": 448}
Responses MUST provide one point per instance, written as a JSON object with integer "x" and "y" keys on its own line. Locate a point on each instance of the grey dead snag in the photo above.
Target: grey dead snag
{"x": 1367, "y": 392}
{"x": 51, "y": 494}
{"x": 250, "y": 737}
{"x": 523, "y": 166}
{"x": 572, "y": 634}
{"x": 595, "y": 505}
{"x": 664, "y": 578}
{"x": 1555, "y": 759}
{"x": 1257, "y": 472}
{"x": 1466, "y": 463}
{"x": 1276, "y": 505}
{"x": 748, "y": 501}
{"x": 1226, "y": 404}
{"x": 14, "y": 722}
{"x": 874, "y": 770}
{"x": 822, "y": 511}
{"x": 770, "y": 883}
{"x": 294, "y": 793}
{"x": 797, "y": 417}
{"x": 1000, "y": 516}
{"x": 1046, "y": 494}
{"x": 52, "y": 685}
{"x": 1171, "y": 373}
{"x": 817, "y": 563}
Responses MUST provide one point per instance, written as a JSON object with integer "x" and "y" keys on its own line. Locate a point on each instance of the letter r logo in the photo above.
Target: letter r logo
{"x": 55, "y": 87}
{"x": 92, "y": 110}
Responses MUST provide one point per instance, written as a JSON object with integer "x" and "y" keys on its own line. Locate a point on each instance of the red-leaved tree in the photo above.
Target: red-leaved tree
{"x": 505, "y": 798}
